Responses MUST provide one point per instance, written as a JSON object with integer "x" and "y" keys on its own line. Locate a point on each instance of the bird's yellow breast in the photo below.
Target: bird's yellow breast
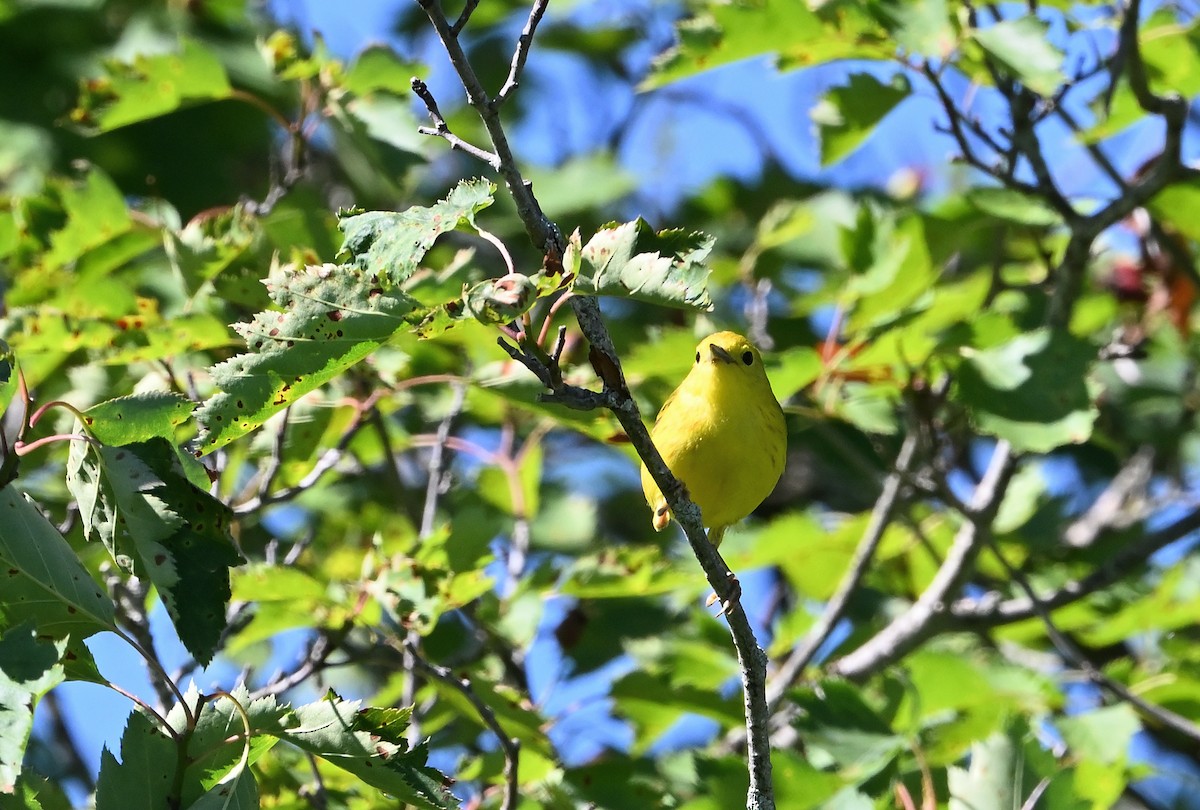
{"x": 722, "y": 433}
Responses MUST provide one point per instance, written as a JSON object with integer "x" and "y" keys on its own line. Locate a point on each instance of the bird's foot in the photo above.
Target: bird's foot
{"x": 733, "y": 595}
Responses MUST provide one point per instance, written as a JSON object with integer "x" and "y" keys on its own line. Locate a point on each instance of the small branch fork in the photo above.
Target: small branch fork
{"x": 615, "y": 395}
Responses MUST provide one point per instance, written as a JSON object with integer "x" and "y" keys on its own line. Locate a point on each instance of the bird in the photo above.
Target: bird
{"x": 721, "y": 433}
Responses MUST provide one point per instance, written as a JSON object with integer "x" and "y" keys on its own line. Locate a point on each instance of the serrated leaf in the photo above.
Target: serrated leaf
{"x": 847, "y": 115}
{"x": 29, "y": 668}
{"x": 359, "y": 741}
{"x": 1021, "y": 46}
{"x": 220, "y": 753}
{"x": 35, "y": 559}
{"x": 388, "y": 245}
{"x": 160, "y": 525}
{"x": 145, "y": 776}
{"x": 1032, "y": 390}
{"x": 633, "y": 261}
{"x": 334, "y": 317}
{"x": 137, "y": 418}
{"x": 150, "y": 87}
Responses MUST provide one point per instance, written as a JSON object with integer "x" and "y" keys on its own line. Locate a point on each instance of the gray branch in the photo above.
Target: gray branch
{"x": 931, "y": 612}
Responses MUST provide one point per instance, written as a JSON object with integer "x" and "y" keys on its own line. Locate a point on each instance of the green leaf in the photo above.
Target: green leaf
{"x": 29, "y": 668}
{"x": 632, "y": 261}
{"x": 333, "y": 317}
{"x": 1102, "y": 734}
{"x": 1013, "y": 206}
{"x": 988, "y": 782}
{"x": 150, "y": 87}
{"x": 137, "y": 418}
{"x": 654, "y": 706}
{"x": 836, "y": 721}
{"x": 36, "y": 560}
{"x": 795, "y": 34}
{"x": 1032, "y": 390}
{"x": 220, "y": 754}
{"x": 847, "y": 115}
{"x": 920, "y": 26}
{"x": 160, "y": 525}
{"x": 95, "y": 212}
{"x": 378, "y": 68}
{"x": 387, "y": 246}
{"x": 368, "y": 744}
{"x": 145, "y": 776}
{"x": 1021, "y": 46}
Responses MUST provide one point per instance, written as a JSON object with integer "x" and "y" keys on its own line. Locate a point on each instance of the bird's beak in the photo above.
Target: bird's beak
{"x": 719, "y": 355}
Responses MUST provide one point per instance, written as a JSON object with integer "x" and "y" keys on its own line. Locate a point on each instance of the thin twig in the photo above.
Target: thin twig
{"x": 328, "y": 460}
{"x": 441, "y": 129}
{"x": 467, "y": 11}
{"x": 511, "y": 746}
{"x": 521, "y": 52}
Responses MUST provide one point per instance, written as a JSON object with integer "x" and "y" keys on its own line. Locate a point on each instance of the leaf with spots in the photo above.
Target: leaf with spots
{"x": 137, "y": 418}
{"x": 332, "y": 317}
{"x": 389, "y": 245}
{"x": 370, "y": 744}
{"x": 29, "y": 668}
{"x": 159, "y": 525}
{"x": 633, "y": 261}
{"x": 144, "y": 778}
{"x": 42, "y": 579}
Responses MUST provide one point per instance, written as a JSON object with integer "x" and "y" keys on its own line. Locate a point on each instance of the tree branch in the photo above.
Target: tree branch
{"x": 521, "y": 52}
{"x": 881, "y": 514}
{"x": 1073, "y": 655}
{"x": 930, "y": 613}
{"x": 510, "y": 746}
{"x": 616, "y": 397}
{"x": 991, "y": 609}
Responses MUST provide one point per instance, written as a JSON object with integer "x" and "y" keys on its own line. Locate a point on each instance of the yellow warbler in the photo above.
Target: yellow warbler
{"x": 722, "y": 434}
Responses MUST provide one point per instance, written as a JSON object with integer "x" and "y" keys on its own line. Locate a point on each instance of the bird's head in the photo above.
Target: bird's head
{"x": 728, "y": 356}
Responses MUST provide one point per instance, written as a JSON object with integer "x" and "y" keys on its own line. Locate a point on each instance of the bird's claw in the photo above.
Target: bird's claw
{"x": 733, "y": 596}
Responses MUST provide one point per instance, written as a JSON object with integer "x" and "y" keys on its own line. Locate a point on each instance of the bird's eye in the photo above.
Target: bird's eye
{"x": 697, "y": 357}
{"x": 748, "y": 358}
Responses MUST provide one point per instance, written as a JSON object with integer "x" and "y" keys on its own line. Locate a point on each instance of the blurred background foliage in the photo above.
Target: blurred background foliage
{"x": 423, "y": 509}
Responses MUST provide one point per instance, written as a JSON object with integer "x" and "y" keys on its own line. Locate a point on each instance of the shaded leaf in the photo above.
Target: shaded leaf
{"x": 158, "y": 524}
{"x": 35, "y": 559}
{"x": 29, "y": 667}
